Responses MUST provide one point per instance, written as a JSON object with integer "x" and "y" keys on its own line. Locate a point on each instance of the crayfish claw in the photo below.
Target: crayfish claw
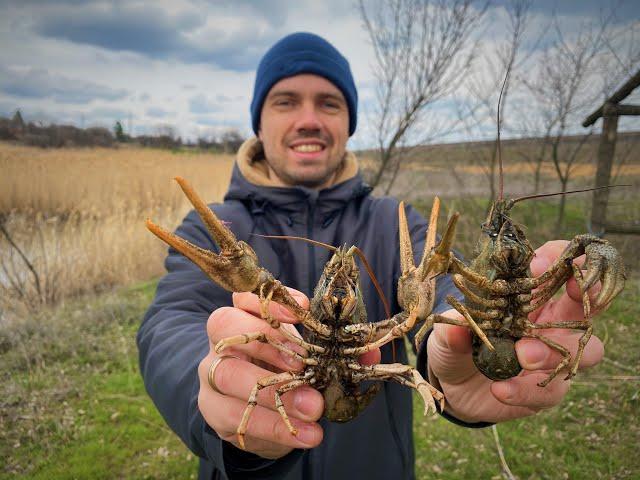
{"x": 225, "y": 239}
{"x": 235, "y": 268}
{"x": 416, "y": 286}
{"x": 437, "y": 260}
{"x": 604, "y": 263}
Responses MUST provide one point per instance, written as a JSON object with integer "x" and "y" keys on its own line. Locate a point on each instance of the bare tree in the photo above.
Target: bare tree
{"x": 566, "y": 86}
{"x": 422, "y": 54}
{"x": 621, "y": 57}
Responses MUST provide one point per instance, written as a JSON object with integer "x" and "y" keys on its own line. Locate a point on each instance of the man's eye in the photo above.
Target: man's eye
{"x": 331, "y": 105}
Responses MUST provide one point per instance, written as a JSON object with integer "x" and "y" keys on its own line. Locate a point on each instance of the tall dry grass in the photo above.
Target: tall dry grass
{"x": 101, "y": 180}
{"x": 78, "y": 217}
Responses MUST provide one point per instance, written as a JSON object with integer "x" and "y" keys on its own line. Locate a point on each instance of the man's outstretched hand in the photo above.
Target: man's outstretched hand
{"x": 472, "y": 397}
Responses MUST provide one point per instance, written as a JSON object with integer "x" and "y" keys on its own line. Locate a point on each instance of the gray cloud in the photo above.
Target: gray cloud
{"x": 147, "y": 31}
{"x": 39, "y": 83}
{"x": 153, "y": 33}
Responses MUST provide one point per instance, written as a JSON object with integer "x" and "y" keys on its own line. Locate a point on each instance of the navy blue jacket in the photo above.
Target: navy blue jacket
{"x": 172, "y": 339}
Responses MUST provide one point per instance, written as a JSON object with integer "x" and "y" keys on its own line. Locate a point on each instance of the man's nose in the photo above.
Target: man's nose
{"x": 308, "y": 119}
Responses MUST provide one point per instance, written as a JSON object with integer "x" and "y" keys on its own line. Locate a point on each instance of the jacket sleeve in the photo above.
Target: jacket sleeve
{"x": 172, "y": 340}
{"x": 444, "y": 288}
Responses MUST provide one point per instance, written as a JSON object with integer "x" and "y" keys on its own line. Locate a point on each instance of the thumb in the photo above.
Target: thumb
{"x": 449, "y": 351}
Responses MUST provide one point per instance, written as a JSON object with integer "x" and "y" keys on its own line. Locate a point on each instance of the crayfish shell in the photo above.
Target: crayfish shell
{"x": 500, "y": 364}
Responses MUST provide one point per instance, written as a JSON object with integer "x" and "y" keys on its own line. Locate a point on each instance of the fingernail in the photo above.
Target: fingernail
{"x": 307, "y": 435}
{"x": 303, "y": 402}
{"x": 532, "y": 354}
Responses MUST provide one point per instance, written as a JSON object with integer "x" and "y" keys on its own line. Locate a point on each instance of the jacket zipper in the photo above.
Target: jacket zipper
{"x": 312, "y": 260}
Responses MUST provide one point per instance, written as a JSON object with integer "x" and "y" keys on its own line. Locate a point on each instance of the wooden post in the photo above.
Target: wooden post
{"x": 606, "y": 151}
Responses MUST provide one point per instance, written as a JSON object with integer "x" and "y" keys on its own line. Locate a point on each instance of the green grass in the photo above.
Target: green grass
{"x": 72, "y": 405}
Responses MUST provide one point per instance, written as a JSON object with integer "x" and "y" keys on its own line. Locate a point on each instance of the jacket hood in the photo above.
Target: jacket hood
{"x": 251, "y": 184}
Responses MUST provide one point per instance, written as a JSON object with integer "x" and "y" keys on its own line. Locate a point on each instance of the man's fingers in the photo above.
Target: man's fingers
{"x": 250, "y": 302}
{"x": 233, "y": 324}
{"x": 523, "y": 391}
{"x": 224, "y": 414}
{"x": 564, "y": 309}
{"x": 535, "y": 355}
{"x": 372, "y": 357}
{"x": 453, "y": 337}
{"x": 575, "y": 294}
{"x": 236, "y": 378}
{"x": 449, "y": 353}
{"x": 546, "y": 255}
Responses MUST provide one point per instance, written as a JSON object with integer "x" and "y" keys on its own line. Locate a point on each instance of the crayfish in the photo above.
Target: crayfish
{"x": 336, "y": 331}
{"x": 500, "y": 292}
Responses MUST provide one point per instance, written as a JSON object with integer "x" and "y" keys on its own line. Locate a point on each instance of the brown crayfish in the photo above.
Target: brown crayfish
{"x": 336, "y": 331}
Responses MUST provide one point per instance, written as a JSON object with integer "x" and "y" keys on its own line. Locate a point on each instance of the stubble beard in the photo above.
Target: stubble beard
{"x": 311, "y": 180}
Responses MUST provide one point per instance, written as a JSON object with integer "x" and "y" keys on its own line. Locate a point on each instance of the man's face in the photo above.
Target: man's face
{"x": 304, "y": 128}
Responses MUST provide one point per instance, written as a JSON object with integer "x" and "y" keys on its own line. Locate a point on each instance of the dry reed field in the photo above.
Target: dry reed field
{"x": 78, "y": 217}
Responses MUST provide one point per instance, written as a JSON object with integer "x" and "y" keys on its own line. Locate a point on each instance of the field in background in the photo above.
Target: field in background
{"x": 459, "y": 169}
{"x": 78, "y": 216}
{"x": 72, "y": 403}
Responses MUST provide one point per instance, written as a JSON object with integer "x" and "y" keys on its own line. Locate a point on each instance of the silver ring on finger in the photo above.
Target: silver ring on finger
{"x": 211, "y": 376}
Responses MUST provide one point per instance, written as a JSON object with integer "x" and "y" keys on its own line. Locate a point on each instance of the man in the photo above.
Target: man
{"x": 298, "y": 179}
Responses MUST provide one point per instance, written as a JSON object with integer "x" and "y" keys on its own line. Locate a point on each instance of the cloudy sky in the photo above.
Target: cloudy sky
{"x": 189, "y": 64}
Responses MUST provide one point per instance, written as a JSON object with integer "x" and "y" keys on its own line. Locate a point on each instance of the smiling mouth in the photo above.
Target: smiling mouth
{"x": 307, "y": 148}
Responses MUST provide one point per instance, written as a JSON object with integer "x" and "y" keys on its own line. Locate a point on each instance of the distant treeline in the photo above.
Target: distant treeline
{"x": 53, "y": 136}
{"x": 57, "y": 136}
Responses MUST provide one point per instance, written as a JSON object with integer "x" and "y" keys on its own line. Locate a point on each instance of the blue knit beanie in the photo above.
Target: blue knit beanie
{"x": 303, "y": 53}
